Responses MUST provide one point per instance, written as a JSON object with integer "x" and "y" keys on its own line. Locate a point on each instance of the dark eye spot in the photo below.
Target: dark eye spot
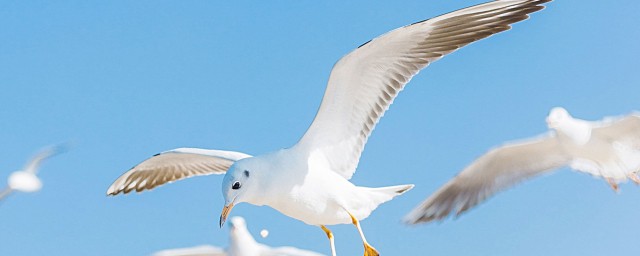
{"x": 236, "y": 185}
{"x": 246, "y": 173}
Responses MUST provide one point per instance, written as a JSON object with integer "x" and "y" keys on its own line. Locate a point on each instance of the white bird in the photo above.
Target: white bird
{"x": 26, "y": 180}
{"x": 310, "y": 180}
{"x": 609, "y": 149}
{"x": 241, "y": 243}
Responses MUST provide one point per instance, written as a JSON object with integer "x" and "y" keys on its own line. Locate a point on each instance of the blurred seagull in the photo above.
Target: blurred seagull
{"x": 241, "y": 243}
{"x": 310, "y": 180}
{"x": 26, "y": 180}
{"x": 609, "y": 149}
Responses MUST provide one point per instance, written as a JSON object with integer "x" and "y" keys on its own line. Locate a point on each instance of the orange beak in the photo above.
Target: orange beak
{"x": 225, "y": 212}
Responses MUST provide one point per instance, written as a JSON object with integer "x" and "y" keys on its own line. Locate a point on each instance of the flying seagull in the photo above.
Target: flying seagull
{"x": 241, "y": 243}
{"x": 26, "y": 180}
{"x": 310, "y": 180}
{"x": 609, "y": 149}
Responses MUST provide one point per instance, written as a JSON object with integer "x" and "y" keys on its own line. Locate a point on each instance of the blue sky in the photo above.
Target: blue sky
{"x": 127, "y": 79}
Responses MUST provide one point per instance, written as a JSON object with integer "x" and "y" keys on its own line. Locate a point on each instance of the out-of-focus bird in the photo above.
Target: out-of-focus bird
{"x": 310, "y": 180}
{"x": 264, "y": 233}
{"x": 241, "y": 243}
{"x": 609, "y": 149}
{"x": 26, "y": 180}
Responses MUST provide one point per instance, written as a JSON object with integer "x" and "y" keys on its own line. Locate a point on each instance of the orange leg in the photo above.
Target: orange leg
{"x": 368, "y": 249}
{"x": 330, "y": 236}
{"x": 634, "y": 177}
{"x": 613, "y": 184}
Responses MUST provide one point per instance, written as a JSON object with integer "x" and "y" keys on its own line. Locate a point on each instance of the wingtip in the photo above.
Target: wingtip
{"x": 421, "y": 220}
{"x": 421, "y": 215}
{"x": 60, "y": 148}
{"x": 112, "y": 191}
{"x": 407, "y": 221}
{"x": 411, "y": 220}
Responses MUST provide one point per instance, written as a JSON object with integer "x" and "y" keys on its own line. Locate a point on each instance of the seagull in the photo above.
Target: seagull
{"x": 309, "y": 181}
{"x": 26, "y": 180}
{"x": 241, "y": 243}
{"x": 609, "y": 148}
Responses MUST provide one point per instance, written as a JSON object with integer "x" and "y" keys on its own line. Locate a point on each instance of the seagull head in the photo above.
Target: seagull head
{"x": 241, "y": 242}
{"x": 234, "y": 188}
{"x": 557, "y": 116}
{"x": 237, "y": 223}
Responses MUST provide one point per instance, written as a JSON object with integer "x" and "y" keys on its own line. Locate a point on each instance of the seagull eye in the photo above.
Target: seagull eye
{"x": 236, "y": 185}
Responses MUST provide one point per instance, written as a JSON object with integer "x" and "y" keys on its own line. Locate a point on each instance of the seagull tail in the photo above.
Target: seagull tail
{"x": 370, "y": 198}
{"x": 384, "y": 194}
{"x": 392, "y": 191}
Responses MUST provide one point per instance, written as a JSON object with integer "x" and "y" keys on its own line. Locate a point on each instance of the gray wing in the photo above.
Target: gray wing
{"x": 622, "y": 129}
{"x": 173, "y": 165}
{"x": 34, "y": 163}
{"x": 364, "y": 83}
{"x": 497, "y": 170}
{"x": 5, "y": 193}
{"x": 202, "y": 250}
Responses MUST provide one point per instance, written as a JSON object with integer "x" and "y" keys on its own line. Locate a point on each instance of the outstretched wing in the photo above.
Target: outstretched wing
{"x": 5, "y": 192}
{"x": 365, "y": 82}
{"x": 497, "y": 170}
{"x": 34, "y": 163}
{"x": 622, "y": 129}
{"x": 173, "y": 165}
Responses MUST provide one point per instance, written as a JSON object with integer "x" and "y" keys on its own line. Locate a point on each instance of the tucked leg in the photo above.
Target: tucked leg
{"x": 368, "y": 249}
{"x": 613, "y": 184}
{"x": 634, "y": 177}
{"x": 330, "y": 236}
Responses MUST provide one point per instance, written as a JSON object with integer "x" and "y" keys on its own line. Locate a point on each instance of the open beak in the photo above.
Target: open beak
{"x": 225, "y": 212}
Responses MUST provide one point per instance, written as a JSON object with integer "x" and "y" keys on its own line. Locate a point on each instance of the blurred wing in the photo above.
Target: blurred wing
{"x": 5, "y": 193}
{"x": 34, "y": 164}
{"x": 173, "y": 165}
{"x": 289, "y": 251}
{"x": 497, "y": 170}
{"x": 203, "y": 250}
{"x": 365, "y": 82}
{"x": 623, "y": 129}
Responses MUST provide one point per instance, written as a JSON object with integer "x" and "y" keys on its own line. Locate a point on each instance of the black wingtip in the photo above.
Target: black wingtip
{"x": 365, "y": 43}
{"x": 417, "y": 22}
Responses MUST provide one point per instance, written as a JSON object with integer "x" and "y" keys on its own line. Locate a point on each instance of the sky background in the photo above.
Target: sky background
{"x": 124, "y": 80}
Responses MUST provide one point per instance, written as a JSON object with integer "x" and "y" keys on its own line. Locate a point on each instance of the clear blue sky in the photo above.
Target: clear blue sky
{"x": 127, "y": 79}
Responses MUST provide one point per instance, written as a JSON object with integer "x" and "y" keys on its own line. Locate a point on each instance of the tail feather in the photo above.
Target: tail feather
{"x": 393, "y": 191}
{"x": 377, "y": 196}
